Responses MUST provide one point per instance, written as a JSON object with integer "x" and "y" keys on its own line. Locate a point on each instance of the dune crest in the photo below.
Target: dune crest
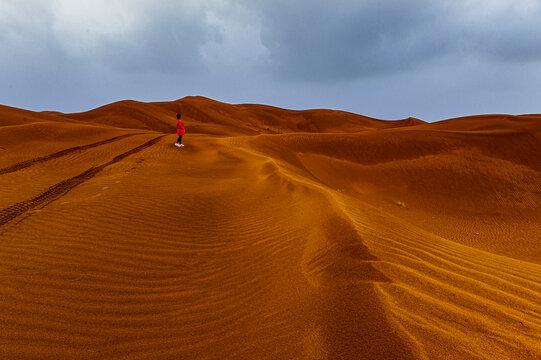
{"x": 274, "y": 233}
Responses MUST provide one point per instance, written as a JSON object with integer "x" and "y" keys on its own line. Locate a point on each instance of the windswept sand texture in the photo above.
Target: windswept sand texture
{"x": 273, "y": 234}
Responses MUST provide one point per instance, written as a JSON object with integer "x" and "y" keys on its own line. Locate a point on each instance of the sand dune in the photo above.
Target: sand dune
{"x": 273, "y": 234}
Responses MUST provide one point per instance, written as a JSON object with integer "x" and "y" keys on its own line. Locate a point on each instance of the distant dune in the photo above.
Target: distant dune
{"x": 273, "y": 234}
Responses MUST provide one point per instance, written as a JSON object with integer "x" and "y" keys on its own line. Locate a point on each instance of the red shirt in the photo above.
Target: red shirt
{"x": 180, "y": 128}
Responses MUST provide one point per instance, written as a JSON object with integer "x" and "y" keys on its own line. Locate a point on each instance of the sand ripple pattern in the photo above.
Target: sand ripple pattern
{"x": 27, "y": 163}
{"x": 63, "y": 187}
{"x": 452, "y": 301}
{"x": 275, "y": 246}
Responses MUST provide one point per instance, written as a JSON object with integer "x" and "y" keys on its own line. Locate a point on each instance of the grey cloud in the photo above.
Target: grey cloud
{"x": 317, "y": 41}
{"x": 169, "y": 42}
{"x": 49, "y": 58}
{"x": 163, "y": 37}
{"x": 348, "y": 39}
{"x": 166, "y": 38}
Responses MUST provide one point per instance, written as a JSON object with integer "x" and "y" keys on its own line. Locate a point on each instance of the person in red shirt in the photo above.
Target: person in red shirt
{"x": 180, "y": 131}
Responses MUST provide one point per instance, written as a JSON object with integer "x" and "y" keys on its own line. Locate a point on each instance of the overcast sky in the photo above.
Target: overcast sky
{"x": 388, "y": 59}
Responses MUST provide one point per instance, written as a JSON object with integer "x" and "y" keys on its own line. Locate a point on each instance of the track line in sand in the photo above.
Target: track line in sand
{"x": 60, "y": 189}
{"x": 27, "y": 163}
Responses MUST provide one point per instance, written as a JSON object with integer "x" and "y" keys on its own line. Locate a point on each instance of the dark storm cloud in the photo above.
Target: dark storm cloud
{"x": 157, "y": 37}
{"x": 348, "y": 39}
{"x": 323, "y": 41}
{"x": 167, "y": 41}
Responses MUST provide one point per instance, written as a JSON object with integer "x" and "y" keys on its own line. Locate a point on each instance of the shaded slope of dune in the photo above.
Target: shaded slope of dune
{"x": 130, "y": 114}
{"x": 336, "y": 237}
{"x": 13, "y": 116}
{"x": 480, "y": 188}
{"x": 451, "y": 301}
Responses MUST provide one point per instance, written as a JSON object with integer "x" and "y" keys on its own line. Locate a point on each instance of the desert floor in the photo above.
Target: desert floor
{"x": 273, "y": 234}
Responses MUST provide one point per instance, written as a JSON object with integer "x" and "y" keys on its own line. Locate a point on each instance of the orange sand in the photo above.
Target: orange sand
{"x": 274, "y": 234}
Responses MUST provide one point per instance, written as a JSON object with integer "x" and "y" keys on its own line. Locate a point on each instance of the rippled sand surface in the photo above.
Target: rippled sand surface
{"x": 273, "y": 234}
